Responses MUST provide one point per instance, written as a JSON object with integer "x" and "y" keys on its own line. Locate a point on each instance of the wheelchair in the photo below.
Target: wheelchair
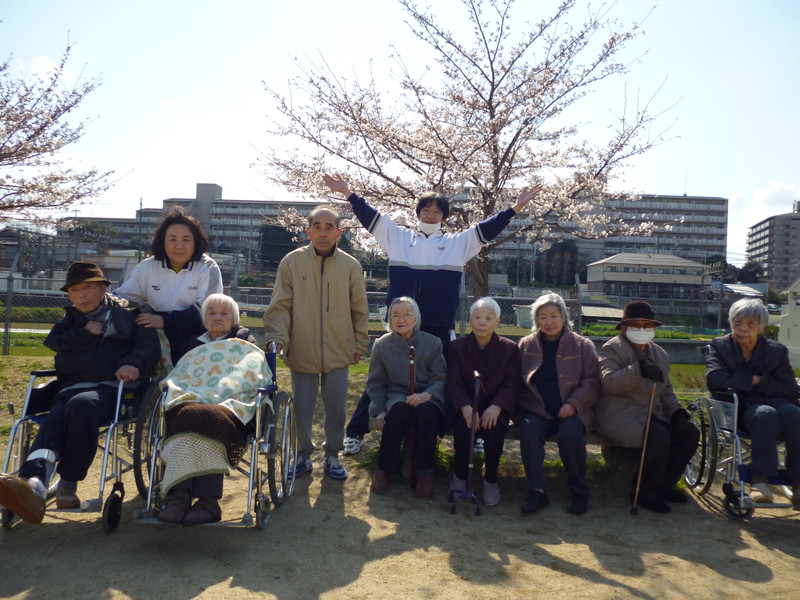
{"x": 115, "y": 440}
{"x": 272, "y": 450}
{"x": 724, "y": 449}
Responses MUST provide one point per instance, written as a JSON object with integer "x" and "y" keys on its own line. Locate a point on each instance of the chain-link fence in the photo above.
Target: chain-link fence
{"x": 38, "y": 300}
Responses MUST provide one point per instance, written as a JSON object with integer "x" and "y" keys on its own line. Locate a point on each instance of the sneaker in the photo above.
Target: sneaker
{"x": 352, "y": 445}
{"x": 479, "y": 446}
{"x": 334, "y": 468}
{"x": 760, "y": 492}
{"x": 301, "y": 467}
{"x": 491, "y": 493}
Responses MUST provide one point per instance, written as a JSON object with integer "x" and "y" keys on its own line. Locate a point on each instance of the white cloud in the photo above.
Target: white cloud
{"x": 775, "y": 199}
{"x": 744, "y": 212}
{"x": 43, "y": 68}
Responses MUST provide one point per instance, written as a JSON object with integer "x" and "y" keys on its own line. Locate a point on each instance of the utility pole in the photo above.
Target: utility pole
{"x": 139, "y": 241}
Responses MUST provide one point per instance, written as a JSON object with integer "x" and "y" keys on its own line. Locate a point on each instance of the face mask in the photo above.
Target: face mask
{"x": 640, "y": 335}
{"x": 429, "y": 228}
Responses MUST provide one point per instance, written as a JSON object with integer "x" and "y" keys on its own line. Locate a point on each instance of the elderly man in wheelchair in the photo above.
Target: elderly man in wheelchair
{"x": 97, "y": 344}
{"x": 757, "y": 370}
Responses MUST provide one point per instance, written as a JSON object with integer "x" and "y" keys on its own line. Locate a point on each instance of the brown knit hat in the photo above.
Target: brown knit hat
{"x": 83, "y": 272}
{"x": 638, "y": 311}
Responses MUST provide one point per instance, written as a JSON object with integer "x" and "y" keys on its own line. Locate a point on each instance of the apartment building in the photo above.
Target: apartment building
{"x": 774, "y": 243}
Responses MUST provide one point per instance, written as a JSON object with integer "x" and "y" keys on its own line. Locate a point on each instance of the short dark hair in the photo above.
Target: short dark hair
{"x": 178, "y": 216}
{"x": 441, "y": 201}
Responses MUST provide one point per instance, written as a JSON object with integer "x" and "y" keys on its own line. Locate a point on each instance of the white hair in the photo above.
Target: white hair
{"x": 414, "y": 307}
{"x": 221, "y": 300}
{"x": 749, "y": 308}
{"x": 485, "y": 302}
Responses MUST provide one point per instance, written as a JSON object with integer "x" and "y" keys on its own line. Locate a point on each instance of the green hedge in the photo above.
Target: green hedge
{"x": 33, "y": 314}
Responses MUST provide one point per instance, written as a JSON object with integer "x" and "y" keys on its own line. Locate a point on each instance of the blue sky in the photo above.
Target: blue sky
{"x": 183, "y": 101}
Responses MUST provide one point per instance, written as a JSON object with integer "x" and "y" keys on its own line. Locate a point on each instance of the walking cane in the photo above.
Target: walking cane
{"x": 644, "y": 446}
{"x": 412, "y": 353}
{"x": 469, "y": 493}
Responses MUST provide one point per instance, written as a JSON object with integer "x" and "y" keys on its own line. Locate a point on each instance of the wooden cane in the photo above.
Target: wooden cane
{"x": 644, "y": 446}
{"x": 412, "y": 353}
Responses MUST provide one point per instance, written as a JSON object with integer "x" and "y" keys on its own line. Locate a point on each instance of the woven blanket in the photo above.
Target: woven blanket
{"x": 227, "y": 372}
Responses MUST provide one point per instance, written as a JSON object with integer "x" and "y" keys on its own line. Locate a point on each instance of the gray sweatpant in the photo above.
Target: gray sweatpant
{"x": 334, "y": 397}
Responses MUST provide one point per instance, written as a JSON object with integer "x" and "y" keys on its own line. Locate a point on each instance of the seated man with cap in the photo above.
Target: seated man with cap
{"x": 97, "y": 344}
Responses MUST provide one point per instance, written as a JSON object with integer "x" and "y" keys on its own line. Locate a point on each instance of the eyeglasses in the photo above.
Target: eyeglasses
{"x": 404, "y": 315}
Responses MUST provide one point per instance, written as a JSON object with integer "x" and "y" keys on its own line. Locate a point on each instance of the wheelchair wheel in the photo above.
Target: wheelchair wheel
{"x": 282, "y": 448}
{"x": 112, "y": 512}
{"x": 700, "y": 471}
{"x": 145, "y": 433}
{"x": 735, "y": 509}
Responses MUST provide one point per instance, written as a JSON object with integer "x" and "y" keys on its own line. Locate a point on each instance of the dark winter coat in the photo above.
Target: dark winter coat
{"x": 82, "y": 356}
{"x": 727, "y": 368}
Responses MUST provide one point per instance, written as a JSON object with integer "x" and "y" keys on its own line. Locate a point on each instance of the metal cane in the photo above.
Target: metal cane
{"x": 644, "y": 446}
{"x": 412, "y": 353}
{"x": 469, "y": 493}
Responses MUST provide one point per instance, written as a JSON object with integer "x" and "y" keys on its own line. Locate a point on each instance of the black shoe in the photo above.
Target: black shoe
{"x": 536, "y": 500}
{"x": 578, "y": 503}
{"x": 674, "y": 496}
{"x": 655, "y": 504}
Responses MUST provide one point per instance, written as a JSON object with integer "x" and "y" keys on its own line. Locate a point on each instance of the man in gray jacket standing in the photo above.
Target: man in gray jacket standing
{"x": 318, "y": 317}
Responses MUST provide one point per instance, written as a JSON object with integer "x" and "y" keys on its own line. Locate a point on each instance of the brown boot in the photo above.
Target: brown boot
{"x": 67, "y": 495}
{"x": 380, "y": 481}
{"x": 21, "y": 497}
{"x": 205, "y": 510}
{"x": 424, "y": 487}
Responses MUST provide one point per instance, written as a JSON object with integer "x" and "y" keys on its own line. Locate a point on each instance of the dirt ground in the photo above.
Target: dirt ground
{"x": 334, "y": 540}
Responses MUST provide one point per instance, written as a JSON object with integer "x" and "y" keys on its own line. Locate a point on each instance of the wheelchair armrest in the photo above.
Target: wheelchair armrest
{"x": 44, "y": 373}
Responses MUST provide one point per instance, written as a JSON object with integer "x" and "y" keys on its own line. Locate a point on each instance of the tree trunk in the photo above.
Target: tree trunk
{"x": 478, "y": 271}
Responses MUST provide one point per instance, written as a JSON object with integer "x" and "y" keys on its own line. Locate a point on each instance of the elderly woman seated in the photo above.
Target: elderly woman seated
{"x": 560, "y": 384}
{"x": 758, "y": 370}
{"x": 398, "y": 403}
{"x": 210, "y": 398}
{"x": 496, "y": 359}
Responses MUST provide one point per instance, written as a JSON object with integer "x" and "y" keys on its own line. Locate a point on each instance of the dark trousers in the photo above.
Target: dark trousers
{"x": 70, "y": 429}
{"x": 669, "y": 449}
{"x": 426, "y": 419}
{"x": 493, "y": 440}
{"x": 204, "y": 486}
{"x": 767, "y": 421}
{"x": 358, "y": 426}
{"x": 533, "y": 433}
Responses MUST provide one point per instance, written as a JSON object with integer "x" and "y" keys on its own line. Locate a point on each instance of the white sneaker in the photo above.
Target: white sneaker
{"x": 352, "y": 446}
{"x": 760, "y": 492}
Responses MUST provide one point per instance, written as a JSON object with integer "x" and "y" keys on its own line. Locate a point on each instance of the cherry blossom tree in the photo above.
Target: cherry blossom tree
{"x": 489, "y": 114}
{"x": 34, "y": 130}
